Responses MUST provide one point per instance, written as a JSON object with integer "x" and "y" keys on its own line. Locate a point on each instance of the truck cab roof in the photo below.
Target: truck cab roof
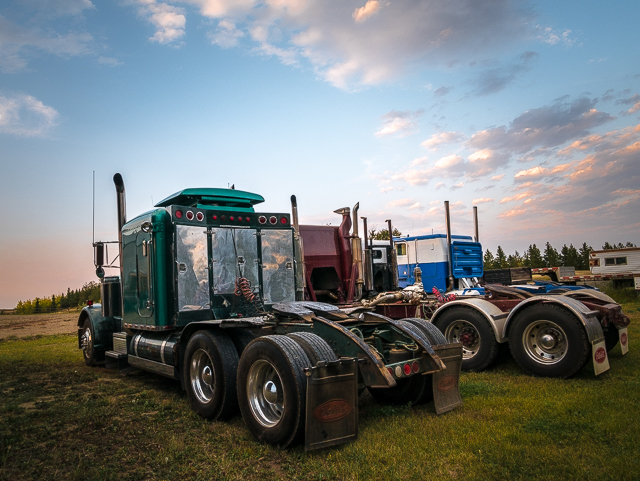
{"x": 212, "y": 197}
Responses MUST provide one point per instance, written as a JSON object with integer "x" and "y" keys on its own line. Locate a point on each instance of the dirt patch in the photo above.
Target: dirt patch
{"x": 44, "y": 324}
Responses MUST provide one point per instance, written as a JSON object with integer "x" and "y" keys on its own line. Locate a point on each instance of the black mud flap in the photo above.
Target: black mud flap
{"x": 332, "y": 404}
{"x": 446, "y": 383}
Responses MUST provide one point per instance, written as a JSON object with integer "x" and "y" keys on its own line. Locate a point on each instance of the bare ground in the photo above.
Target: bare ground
{"x": 34, "y": 324}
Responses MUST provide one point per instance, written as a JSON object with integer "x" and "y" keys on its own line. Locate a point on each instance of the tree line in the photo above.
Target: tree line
{"x": 549, "y": 257}
{"x": 70, "y": 300}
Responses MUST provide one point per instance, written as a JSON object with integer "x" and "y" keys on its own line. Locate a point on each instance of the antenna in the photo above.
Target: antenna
{"x": 93, "y": 233}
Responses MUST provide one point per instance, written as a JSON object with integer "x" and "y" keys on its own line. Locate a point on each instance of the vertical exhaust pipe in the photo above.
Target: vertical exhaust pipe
{"x": 356, "y": 252}
{"x": 394, "y": 258}
{"x": 368, "y": 259}
{"x": 448, "y": 221}
{"x": 122, "y": 220}
{"x": 475, "y": 223}
{"x": 301, "y": 276}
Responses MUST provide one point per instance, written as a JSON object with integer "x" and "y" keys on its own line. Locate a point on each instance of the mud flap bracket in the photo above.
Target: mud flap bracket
{"x": 332, "y": 404}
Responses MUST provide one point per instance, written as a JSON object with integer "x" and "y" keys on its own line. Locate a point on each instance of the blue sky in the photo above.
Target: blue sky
{"x": 529, "y": 110}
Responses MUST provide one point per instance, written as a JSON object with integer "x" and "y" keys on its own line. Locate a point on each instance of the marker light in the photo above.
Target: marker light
{"x": 248, "y": 219}
{"x": 272, "y": 219}
{"x": 407, "y": 369}
{"x": 415, "y": 366}
{"x": 178, "y": 214}
{"x": 262, "y": 219}
{"x": 189, "y": 215}
{"x": 398, "y": 371}
{"x": 214, "y": 217}
{"x": 200, "y": 216}
{"x": 283, "y": 220}
{"x": 231, "y": 218}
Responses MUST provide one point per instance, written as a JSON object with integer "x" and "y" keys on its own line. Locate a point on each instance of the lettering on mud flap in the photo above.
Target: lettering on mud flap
{"x": 332, "y": 410}
{"x": 447, "y": 383}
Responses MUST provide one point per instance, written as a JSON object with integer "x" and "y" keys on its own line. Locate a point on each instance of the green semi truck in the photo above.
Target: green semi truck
{"x": 211, "y": 293}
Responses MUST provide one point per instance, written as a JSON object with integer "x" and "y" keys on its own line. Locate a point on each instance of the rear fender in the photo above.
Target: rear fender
{"x": 494, "y": 316}
{"x": 587, "y": 317}
{"x": 103, "y": 327}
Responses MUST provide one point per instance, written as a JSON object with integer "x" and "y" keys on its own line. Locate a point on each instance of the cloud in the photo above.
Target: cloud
{"x": 441, "y": 91}
{"x": 350, "y": 44}
{"x": 634, "y": 101}
{"x": 553, "y": 37}
{"x": 362, "y": 13}
{"x": 495, "y": 79}
{"x": 25, "y": 116}
{"x": 402, "y": 123}
{"x": 110, "y": 61}
{"x": 168, "y": 20}
{"x": 481, "y": 200}
{"x": 442, "y": 139}
{"x": 226, "y": 35}
{"x": 17, "y": 43}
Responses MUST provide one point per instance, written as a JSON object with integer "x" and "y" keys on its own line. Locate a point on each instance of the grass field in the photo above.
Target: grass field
{"x": 62, "y": 420}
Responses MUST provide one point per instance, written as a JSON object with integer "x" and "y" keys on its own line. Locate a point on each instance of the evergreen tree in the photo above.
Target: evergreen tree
{"x": 551, "y": 256}
{"x": 54, "y": 305}
{"x": 383, "y": 234}
{"x": 515, "y": 260}
{"x": 535, "y": 257}
{"x": 501, "y": 259}
{"x": 607, "y": 246}
{"x": 488, "y": 260}
{"x": 36, "y": 306}
{"x": 583, "y": 263}
{"x": 570, "y": 256}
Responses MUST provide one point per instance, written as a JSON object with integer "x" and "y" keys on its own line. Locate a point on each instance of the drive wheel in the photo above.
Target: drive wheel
{"x": 473, "y": 331}
{"x": 316, "y": 348}
{"x": 272, "y": 389}
{"x": 547, "y": 340}
{"x": 209, "y": 373}
{"x": 434, "y": 334}
{"x": 87, "y": 342}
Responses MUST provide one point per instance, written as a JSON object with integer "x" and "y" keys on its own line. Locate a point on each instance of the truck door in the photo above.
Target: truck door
{"x": 144, "y": 259}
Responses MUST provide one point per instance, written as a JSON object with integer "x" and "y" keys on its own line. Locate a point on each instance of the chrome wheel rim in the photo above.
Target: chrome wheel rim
{"x": 265, "y": 393}
{"x": 545, "y": 342}
{"x": 466, "y": 334}
{"x": 85, "y": 341}
{"x": 202, "y": 376}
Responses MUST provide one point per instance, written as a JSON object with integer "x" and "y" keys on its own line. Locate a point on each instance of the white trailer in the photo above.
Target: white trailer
{"x": 615, "y": 261}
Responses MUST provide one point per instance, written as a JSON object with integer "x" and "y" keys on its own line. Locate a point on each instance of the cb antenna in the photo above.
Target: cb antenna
{"x": 93, "y": 231}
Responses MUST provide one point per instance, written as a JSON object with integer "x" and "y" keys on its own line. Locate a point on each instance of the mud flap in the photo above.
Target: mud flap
{"x": 599, "y": 356}
{"x": 624, "y": 340}
{"x": 446, "y": 383}
{"x": 332, "y": 404}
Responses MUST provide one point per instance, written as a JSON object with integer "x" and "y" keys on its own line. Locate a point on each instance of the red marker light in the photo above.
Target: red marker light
{"x": 248, "y": 219}
{"x": 415, "y": 366}
{"x": 215, "y": 217}
{"x": 240, "y": 219}
{"x": 178, "y": 214}
{"x": 283, "y": 220}
{"x": 272, "y": 219}
{"x": 189, "y": 215}
{"x": 407, "y": 369}
{"x": 200, "y": 216}
{"x": 262, "y": 219}
{"x": 231, "y": 217}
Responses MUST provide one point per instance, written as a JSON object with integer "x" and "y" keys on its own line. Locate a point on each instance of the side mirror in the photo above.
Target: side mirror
{"x": 98, "y": 254}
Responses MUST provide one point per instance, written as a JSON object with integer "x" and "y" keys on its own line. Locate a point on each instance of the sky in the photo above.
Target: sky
{"x": 528, "y": 110}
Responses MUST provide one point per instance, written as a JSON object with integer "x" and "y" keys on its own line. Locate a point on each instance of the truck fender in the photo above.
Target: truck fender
{"x": 587, "y": 317}
{"x": 103, "y": 327}
{"x": 494, "y": 316}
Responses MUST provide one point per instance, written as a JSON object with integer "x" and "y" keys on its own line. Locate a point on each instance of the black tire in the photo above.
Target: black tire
{"x": 240, "y": 338}
{"x": 469, "y": 327}
{"x": 91, "y": 356}
{"x": 209, "y": 373}
{"x": 611, "y": 337}
{"x": 434, "y": 334}
{"x": 316, "y": 348}
{"x": 272, "y": 389}
{"x": 547, "y": 340}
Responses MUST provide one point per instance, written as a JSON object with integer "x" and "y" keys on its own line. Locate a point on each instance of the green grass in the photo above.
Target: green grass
{"x": 62, "y": 420}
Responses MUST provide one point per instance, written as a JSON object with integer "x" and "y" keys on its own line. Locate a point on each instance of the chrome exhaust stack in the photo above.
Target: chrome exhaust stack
{"x": 450, "y": 281}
